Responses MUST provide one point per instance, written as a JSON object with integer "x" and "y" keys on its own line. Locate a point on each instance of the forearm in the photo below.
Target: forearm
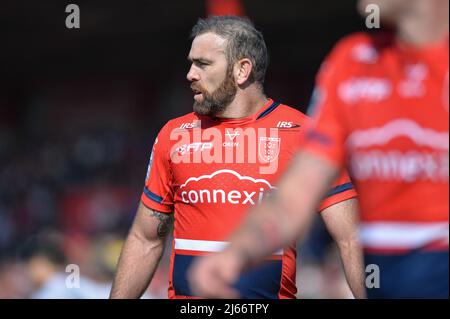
{"x": 263, "y": 233}
{"x": 352, "y": 259}
{"x": 287, "y": 214}
{"x": 137, "y": 264}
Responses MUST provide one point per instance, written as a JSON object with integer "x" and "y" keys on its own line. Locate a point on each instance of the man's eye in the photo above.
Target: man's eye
{"x": 201, "y": 64}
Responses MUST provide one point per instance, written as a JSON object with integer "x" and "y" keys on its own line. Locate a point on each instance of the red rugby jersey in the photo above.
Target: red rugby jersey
{"x": 208, "y": 172}
{"x": 382, "y": 108}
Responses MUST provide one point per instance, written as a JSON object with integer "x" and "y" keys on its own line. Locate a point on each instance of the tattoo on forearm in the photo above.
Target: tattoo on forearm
{"x": 165, "y": 223}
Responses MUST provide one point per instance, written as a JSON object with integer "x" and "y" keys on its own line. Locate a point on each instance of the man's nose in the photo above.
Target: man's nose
{"x": 192, "y": 75}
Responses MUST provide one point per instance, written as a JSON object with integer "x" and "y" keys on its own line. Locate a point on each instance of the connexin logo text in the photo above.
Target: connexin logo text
{"x": 231, "y": 196}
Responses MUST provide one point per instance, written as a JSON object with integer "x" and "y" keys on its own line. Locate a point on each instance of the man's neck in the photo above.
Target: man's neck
{"x": 423, "y": 25}
{"x": 246, "y": 103}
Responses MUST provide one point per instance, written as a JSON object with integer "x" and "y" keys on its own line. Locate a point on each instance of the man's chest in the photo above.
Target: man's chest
{"x": 232, "y": 164}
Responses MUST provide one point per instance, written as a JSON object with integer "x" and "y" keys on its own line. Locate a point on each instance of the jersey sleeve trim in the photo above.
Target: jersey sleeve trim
{"x": 338, "y": 198}
{"x": 151, "y": 204}
{"x": 339, "y": 189}
{"x": 154, "y": 206}
{"x": 152, "y": 196}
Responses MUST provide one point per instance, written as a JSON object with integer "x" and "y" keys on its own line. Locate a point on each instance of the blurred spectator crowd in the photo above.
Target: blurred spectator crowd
{"x": 72, "y": 164}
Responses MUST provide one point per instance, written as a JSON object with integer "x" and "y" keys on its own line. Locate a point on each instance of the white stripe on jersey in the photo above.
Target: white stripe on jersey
{"x": 205, "y": 245}
{"x": 402, "y": 235}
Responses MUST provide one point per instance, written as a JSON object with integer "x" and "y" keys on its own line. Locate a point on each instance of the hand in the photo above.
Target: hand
{"x": 212, "y": 276}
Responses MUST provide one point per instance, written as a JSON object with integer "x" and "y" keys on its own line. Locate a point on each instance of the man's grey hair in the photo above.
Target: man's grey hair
{"x": 243, "y": 41}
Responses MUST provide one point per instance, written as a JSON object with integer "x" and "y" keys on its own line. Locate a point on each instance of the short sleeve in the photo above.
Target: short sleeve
{"x": 342, "y": 190}
{"x": 158, "y": 190}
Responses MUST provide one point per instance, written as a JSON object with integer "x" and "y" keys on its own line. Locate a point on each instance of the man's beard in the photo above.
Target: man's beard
{"x": 217, "y": 101}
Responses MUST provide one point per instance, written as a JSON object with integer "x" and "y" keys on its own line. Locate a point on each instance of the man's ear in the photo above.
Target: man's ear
{"x": 243, "y": 70}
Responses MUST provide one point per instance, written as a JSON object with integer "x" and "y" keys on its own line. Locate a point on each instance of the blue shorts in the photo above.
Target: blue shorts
{"x": 417, "y": 274}
{"x": 261, "y": 282}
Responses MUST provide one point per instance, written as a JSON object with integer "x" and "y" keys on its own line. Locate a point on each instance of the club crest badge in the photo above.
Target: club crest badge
{"x": 269, "y": 148}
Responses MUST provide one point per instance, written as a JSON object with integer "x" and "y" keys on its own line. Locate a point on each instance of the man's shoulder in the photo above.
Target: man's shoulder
{"x": 176, "y": 125}
{"x": 291, "y": 113}
{"x": 361, "y": 47}
{"x": 186, "y": 121}
{"x": 355, "y": 38}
